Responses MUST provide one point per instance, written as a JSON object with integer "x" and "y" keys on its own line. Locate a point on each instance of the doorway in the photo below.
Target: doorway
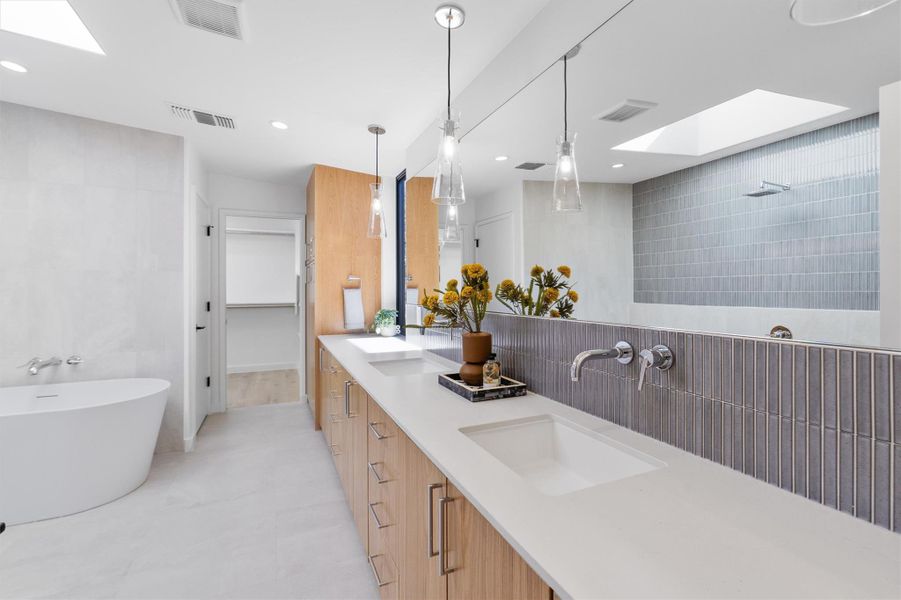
{"x": 263, "y": 307}
{"x": 494, "y": 247}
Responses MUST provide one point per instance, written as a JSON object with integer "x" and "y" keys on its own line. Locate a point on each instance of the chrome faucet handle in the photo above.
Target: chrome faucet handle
{"x": 659, "y": 357}
{"x": 75, "y": 359}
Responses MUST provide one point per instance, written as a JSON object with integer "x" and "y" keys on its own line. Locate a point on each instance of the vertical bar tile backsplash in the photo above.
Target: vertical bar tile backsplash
{"x": 819, "y": 421}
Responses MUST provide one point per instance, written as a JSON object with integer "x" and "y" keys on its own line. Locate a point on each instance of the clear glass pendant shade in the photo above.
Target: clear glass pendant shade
{"x": 447, "y": 188}
{"x": 377, "y": 228}
{"x": 830, "y": 12}
{"x": 567, "y": 196}
{"x": 451, "y": 230}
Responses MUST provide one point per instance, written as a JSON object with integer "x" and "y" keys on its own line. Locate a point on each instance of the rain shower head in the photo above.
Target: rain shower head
{"x": 768, "y": 188}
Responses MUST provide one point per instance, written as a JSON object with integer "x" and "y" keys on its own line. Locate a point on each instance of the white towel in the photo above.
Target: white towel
{"x": 353, "y": 309}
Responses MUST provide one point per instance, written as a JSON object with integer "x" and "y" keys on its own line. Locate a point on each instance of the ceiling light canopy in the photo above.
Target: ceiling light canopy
{"x": 830, "y": 12}
{"x": 50, "y": 20}
{"x": 15, "y": 67}
{"x": 279, "y": 124}
{"x": 748, "y": 117}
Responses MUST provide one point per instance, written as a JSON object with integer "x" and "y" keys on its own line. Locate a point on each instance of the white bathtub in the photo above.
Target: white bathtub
{"x": 68, "y": 447}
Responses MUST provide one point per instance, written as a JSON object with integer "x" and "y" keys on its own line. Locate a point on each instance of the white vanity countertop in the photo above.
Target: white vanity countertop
{"x": 693, "y": 529}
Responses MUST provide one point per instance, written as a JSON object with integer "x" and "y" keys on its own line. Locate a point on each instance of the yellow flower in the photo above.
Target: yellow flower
{"x": 573, "y": 295}
{"x": 428, "y": 320}
{"x": 464, "y": 269}
{"x": 536, "y": 270}
{"x": 430, "y": 302}
{"x": 475, "y": 271}
{"x": 555, "y": 314}
{"x": 565, "y": 271}
{"x": 485, "y": 296}
{"x": 551, "y": 294}
{"x": 466, "y": 292}
{"x": 452, "y": 284}
{"x": 451, "y": 297}
{"x": 507, "y": 285}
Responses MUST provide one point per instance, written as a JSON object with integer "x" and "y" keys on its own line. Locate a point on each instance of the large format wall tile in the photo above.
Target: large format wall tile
{"x": 819, "y": 421}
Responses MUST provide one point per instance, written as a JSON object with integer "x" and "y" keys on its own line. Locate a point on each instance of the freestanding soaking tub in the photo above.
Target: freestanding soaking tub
{"x": 68, "y": 447}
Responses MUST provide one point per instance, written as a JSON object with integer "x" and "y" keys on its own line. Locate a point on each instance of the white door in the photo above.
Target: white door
{"x": 494, "y": 249}
{"x": 202, "y": 305}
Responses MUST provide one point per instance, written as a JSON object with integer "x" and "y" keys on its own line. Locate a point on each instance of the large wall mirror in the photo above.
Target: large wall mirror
{"x": 682, "y": 110}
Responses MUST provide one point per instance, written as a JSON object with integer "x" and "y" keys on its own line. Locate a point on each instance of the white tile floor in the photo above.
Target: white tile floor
{"x": 256, "y": 511}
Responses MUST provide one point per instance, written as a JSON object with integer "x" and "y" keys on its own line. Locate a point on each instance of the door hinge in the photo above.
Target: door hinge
{"x": 208, "y": 306}
{"x": 477, "y": 242}
{"x": 209, "y": 230}
{"x": 208, "y": 382}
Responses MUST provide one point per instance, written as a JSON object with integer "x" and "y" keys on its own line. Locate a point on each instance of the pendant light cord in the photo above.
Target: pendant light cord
{"x": 565, "y": 100}
{"x": 449, "y": 18}
{"x": 376, "y": 157}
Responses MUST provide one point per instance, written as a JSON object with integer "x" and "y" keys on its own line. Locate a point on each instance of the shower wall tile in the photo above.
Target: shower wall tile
{"x": 814, "y": 420}
{"x": 698, "y": 240}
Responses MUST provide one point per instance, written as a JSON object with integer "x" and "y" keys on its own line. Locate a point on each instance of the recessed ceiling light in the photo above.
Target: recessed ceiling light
{"x": 617, "y": 166}
{"x": 278, "y": 124}
{"x": 742, "y": 119}
{"x": 50, "y": 20}
{"x": 8, "y": 64}
{"x": 501, "y": 158}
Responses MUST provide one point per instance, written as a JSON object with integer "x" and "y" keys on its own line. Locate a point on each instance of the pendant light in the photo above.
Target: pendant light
{"x": 377, "y": 227}
{"x": 451, "y": 231}
{"x": 447, "y": 188}
{"x": 567, "y": 196}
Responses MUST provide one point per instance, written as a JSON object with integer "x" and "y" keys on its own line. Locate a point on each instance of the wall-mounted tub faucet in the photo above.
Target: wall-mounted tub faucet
{"x": 659, "y": 357}
{"x": 622, "y": 352}
{"x": 36, "y": 364}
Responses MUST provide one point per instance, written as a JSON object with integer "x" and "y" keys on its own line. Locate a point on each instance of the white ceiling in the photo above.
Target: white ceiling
{"x": 686, "y": 56}
{"x": 327, "y": 68}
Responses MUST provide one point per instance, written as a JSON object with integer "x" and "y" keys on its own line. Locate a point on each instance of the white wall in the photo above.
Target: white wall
{"x": 92, "y": 252}
{"x": 890, "y": 213}
{"x": 505, "y": 200}
{"x": 262, "y": 339}
{"x": 595, "y": 243}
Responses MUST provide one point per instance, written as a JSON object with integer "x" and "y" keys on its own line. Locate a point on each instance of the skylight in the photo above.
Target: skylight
{"x": 747, "y": 117}
{"x": 51, "y": 20}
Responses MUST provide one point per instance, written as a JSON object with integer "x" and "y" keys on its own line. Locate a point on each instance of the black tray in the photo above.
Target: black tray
{"x": 508, "y": 388}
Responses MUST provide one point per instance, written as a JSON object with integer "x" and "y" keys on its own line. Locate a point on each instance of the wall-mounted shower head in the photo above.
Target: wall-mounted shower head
{"x": 767, "y": 188}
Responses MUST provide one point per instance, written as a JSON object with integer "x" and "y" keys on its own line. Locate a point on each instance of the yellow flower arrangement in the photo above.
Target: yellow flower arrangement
{"x": 465, "y": 308}
{"x": 549, "y": 293}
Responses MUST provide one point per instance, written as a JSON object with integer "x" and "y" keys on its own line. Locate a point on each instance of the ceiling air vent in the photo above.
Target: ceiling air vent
{"x": 625, "y": 110}
{"x": 222, "y": 17}
{"x": 530, "y": 166}
{"x": 201, "y": 116}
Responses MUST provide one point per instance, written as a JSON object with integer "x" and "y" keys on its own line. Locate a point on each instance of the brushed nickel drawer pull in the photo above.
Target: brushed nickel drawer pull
{"x": 429, "y": 498}
{"x": 336, "y": 450}
{"x": 320, "y": 359}
{"x": 378, "y": 580}
{"x": 442, "y": 525}
{"x": 378, "y": 522}
{"x": 378, "y": 478}
{"x": 375, "y": 431}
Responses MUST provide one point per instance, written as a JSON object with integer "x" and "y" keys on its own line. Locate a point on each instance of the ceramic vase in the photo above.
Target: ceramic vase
{"x": 476, "y": 348}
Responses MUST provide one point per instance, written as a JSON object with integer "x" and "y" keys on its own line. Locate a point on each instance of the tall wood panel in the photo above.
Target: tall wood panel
{"x": 422, "y": 235}
{"x": 338, "y": 206}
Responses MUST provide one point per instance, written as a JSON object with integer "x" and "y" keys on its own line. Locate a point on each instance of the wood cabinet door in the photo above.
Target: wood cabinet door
{"x": 424, "y": 484}
{"x": 358, "y": 460}
{"x": 481, "y": 562}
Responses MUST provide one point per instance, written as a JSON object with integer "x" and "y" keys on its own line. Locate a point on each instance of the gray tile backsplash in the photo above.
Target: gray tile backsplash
{"x": 814, "y": 420}
{"x": 698, "y": 240}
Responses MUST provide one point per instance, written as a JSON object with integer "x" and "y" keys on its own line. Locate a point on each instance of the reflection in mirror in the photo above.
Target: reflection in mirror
{"x": 730, "y": 174}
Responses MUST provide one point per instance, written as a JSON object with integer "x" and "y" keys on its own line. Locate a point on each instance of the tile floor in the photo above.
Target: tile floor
{"x": 256, "y": 511}
{"x": 263, "y": 387}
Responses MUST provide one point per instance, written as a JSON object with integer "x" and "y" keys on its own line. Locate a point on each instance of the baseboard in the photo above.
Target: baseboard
{"x": 263, "y": 367}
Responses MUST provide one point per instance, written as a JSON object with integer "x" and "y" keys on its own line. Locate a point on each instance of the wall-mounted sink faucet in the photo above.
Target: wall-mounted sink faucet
{"x": 622, "y": 352}
{"x": 659, "y": 357}
{"x": 36, "y": 364}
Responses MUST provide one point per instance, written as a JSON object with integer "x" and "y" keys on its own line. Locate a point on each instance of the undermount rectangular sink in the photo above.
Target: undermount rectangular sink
{"x": 408, "y": 366}
{"x": 557, "y": 456}
{"x": 382, "y": 345}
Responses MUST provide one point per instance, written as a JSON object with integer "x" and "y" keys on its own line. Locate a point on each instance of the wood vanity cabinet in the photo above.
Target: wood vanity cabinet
{"x": 400, "y": 502}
